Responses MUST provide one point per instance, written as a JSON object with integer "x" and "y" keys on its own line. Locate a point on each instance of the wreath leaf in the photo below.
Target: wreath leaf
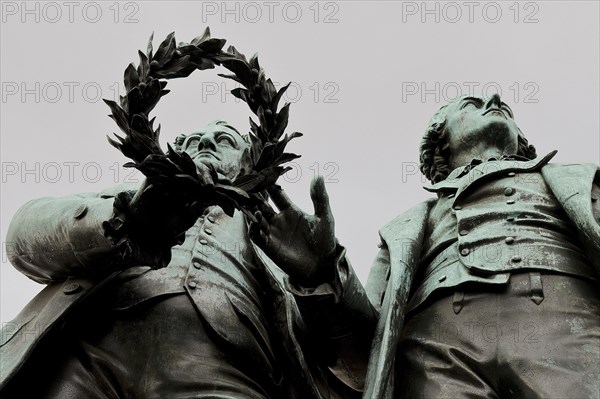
{"x": 146, "y": 84}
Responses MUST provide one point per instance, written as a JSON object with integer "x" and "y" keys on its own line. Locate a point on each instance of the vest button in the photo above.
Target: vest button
{"x": 511, "y": 174}
{"x": 442, "y": 279}
{"x": 515, "y": 259}
{"x": 463, "y": 232}
{"x": 510, "y": 202}
{"x": 509, "y": 240}
{"x": 210, "y": 219}
{"x": 203, "y": 241}
{"x": 508, "y": 191}
{"x": 197, "y": 265}
{"x": 208, "y": 231}
{"x": 464, "y": 251}
{"x": 192, "y": 284}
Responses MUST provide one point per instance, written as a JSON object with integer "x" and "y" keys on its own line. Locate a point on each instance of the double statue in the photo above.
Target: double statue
{"x": 487, "y": 290}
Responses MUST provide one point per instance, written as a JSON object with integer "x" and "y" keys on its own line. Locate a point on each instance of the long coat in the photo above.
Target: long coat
{"x": 53, "y": 239}
{"x": 576, "y": 187}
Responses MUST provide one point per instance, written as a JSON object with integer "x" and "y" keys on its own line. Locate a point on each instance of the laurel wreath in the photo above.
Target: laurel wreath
{"x": 145, "y": 85}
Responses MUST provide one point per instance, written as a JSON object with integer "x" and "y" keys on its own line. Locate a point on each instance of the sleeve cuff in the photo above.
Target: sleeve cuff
{"x": 330, "y": 284}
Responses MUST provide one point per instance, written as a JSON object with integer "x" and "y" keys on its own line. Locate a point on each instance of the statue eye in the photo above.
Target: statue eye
{"x": 467, "y": 103}
{"x": 225, "y": 139}
{"x": 191, "y": 142}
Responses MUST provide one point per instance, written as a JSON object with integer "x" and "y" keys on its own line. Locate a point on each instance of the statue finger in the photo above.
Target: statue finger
{"x": 257, "y": 235}
{"x": 280, "y": 198}
{"x": 262, "y": 222}
{"x": 320, "y": 198}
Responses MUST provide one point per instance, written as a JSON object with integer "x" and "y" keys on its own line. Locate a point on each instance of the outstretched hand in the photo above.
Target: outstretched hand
{"x": 298, "y": 242}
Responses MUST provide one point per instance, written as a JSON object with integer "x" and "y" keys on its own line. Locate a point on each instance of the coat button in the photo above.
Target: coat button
{"x": 203, "y": 241}
{"x": 510, "y": 202}
{"x": 197, "y": 265}
{"x": 511, "y": 174}
{"x": 208, "y": 231}
{"x": 464, "y": 251}
{"x": 192, "y": 284}
{"x": 210, "y": 219}
{"x": 463, "y": 232}
{"x": 508, "y": 191}
{"x": 516, "y": 259}
{"x": 509, "y": 240}
{"x": 71, "y": 288}
{"x": 442, "y": 279}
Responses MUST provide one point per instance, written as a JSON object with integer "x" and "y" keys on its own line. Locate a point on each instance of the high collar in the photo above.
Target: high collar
{"x": 453, "y": 181}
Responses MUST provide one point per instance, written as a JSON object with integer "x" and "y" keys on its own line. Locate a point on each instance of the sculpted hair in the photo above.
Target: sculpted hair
{"x": 434, "y": 150}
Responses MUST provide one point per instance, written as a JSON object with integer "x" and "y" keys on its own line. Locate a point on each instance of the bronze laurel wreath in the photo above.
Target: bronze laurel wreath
{"x": 145, "y": 85}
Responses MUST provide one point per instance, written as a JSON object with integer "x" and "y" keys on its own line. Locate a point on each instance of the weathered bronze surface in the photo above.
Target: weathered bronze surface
{"x": 218, "y": 321}
{"x": 488, "y": 290}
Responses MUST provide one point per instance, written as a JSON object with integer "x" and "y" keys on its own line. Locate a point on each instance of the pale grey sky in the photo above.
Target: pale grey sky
{"x": 366, "y": 78}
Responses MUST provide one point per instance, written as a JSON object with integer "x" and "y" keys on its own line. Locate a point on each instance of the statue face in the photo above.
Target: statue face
{"x": 219, "y": 146}
{"x": 473, "y": 121}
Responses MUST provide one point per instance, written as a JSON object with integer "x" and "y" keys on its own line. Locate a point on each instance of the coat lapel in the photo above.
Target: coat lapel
{"x": 571, "y": 184}
{"x": 403, "y": 237}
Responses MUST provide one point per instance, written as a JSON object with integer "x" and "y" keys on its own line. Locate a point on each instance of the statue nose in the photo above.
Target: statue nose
{"x": 494, "y": 101}
{"x": 207, "y": 141}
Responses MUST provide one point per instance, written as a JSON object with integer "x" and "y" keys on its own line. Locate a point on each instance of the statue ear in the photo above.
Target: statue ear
{"x": 178, "y": 143}
{"x": 246, "y": 162}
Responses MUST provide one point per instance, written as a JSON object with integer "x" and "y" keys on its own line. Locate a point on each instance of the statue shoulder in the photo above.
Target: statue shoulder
{"x": 415, "y": 216}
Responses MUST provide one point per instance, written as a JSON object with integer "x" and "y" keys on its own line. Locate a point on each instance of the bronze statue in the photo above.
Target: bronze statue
{"x": 217, "y": 322}
{"x": 491, "y": 289}
{"x": 158, "y": 291}
{"x": 496, "y": 279}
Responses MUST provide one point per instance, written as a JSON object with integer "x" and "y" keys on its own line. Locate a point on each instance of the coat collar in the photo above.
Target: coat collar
{"x": 461, "y": 178}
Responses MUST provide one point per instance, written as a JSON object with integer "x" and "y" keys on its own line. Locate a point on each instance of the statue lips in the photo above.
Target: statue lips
{"x": 496, "y": 110}
{"x": 208, "y": 153}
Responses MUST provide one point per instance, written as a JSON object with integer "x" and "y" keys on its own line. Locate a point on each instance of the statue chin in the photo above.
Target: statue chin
{"x": 497, "y": 133}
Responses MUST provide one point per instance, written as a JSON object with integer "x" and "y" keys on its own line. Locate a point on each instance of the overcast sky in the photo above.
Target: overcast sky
{"x": 366, "y": 77}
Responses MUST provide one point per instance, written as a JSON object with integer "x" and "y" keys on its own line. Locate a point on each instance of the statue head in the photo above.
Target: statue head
{"x": 468, "y": 125}
{"x": 218, "y": 144}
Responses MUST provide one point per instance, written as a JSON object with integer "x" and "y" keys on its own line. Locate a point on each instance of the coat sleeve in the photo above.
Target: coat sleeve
{"x": 51, "y": 239}
{"x": 378, "y": 277}
{"x": 341, "y": 320}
